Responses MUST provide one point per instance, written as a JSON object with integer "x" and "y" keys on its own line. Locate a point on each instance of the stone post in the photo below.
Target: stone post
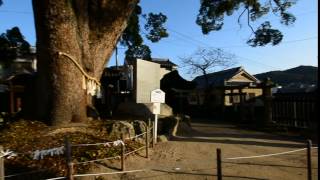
{"x": 267, "y": 98}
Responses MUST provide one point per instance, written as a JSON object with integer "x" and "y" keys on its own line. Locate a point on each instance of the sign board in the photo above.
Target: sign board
{"x": 144, "y": 81}
{"x": 157, "y": 96}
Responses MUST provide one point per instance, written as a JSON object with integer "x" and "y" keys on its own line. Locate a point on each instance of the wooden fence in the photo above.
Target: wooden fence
{"x": 294, "y": 109}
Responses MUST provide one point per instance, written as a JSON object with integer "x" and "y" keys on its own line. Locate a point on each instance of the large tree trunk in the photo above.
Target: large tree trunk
{"x": 86, "y": 30}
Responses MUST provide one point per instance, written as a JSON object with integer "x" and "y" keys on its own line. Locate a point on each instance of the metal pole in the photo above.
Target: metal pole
{"x": 309, "y": 146}
{"x": 147, "y": 141}
{"x": 69, "y": 159}
{"x": 219, "y": 170}
{"x": 123, "y": 149}
{"x": 155, "y": 128}
{"x": 1, "y": 166}
{"x": 117, "y": 58}
{"x": 153, "y": 143}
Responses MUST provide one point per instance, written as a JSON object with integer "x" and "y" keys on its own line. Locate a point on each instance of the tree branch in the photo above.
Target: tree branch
{"x": 248, "y": 20}
{"x": 240, "y": 17}
{"x": 271, "y": 6}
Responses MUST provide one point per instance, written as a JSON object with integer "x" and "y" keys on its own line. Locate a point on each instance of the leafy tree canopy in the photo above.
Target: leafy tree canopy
{"x": 13, "y": 45}
{"x": 210, "y": 18}
{"x": 131, "y": 36}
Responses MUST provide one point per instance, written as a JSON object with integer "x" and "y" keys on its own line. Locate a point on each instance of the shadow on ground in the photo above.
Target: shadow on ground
{"x": 195, "y": 174}
{"x": 227, "y": 133}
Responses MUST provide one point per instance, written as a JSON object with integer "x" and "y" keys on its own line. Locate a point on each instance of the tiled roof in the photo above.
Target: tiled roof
{"x": 219, "y": 78}
{"x": 163, "y": 62}
{"x": 174, "y": 80}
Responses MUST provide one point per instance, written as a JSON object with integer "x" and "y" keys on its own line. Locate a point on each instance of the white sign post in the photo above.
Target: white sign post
{"x": 157, "y": 97}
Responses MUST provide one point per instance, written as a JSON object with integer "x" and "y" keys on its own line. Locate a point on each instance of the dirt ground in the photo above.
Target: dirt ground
{"x": 192, "y": 155}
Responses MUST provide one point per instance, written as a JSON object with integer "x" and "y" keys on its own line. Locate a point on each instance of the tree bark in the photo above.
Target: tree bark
{"x": 88, "y": 31}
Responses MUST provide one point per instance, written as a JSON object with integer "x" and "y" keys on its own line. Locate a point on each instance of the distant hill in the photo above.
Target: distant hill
{"x": 306, "y": 75}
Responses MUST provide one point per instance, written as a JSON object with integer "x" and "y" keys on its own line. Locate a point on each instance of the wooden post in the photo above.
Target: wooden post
{"x": 1, "y": 165}
{"x": 147, "y": 141}
{"x": 295, "y": 122}
{"x": 149, "y": 122}
{"x": 69, "y": 159}
{"x": 309, "y": 146}
{"x": 11, "y": 94}
{"x": 267, "y": 97}
{"x": 123, "y": 149}
{"x": 219, "y": 170}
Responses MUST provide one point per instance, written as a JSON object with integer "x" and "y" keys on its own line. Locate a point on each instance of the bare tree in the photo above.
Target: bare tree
{"x": 207, "y": 60}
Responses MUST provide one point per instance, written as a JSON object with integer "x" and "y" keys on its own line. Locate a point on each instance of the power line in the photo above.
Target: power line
{"x": 299, "y": 40}
{"x": 242, "y": 57}
{"x": 208, "y": 45}
{"x": 284, "y": 42}
{"x": 196, "y": 42}
{"x": 265, "y": 18}
{"x": 16, "y": 12}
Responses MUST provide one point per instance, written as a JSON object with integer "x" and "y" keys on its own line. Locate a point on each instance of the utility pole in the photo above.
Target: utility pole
{"x": 117, "y": 67}
{"x": 117, "y": 57}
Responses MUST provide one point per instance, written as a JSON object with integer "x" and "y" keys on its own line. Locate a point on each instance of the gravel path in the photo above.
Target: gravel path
{"x": 192, "y": 155}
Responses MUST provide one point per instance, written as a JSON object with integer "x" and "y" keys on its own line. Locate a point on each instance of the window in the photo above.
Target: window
{"x": 234, "y": 99}
{"x": 252, "y": 95}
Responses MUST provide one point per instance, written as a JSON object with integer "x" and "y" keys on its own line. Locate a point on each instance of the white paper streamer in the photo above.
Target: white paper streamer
{"x": 118, "y": 142}
{"x": 39, "y": 154}
{"x": 7, "y": 154}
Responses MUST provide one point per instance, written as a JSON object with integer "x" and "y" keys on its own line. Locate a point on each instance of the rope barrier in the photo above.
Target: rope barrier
{"x": 108, "y": 142}
{"x": 267, "y": 155}
{"x": 80, "y": 68}
{"x": 97, "y": 160}
{"x": 135, "y": 136}
{"x": 19, "y": 174}
{"x": 117, "y": 142}
{"x": 143, "y": 147}
{"x": 95, "y": 144}
{"x": 115, "y": 157}
{"x": 56, "y": 178}
{"x": 84, "y": 145}
{"x": 121, "y": 172}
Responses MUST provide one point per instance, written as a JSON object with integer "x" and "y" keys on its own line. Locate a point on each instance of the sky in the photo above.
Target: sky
{"x": 299, "y": 45}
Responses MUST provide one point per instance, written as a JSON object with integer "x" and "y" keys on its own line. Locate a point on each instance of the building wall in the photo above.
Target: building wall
{"x": 147, "y": 78}
{"x": 163, "y": 71}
